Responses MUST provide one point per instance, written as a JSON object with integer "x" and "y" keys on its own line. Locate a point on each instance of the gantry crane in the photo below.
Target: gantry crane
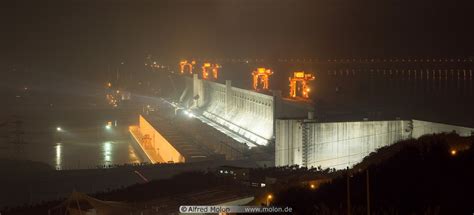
{"x": 185, "y": 64}
{"x": 302, "y": 78}
{"x": 209, "y": 67}
{"x": 260, "y": 76}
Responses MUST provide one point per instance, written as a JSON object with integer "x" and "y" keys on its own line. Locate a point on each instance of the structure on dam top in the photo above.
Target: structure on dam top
{"x": 186, "y": 67}
{"x": 210, "y": 68}
{"x": 260, "y": 78}
{"x": 299, "y": 83}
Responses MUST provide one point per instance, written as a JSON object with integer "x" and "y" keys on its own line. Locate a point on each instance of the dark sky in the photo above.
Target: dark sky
{"x": 83, "y": 36}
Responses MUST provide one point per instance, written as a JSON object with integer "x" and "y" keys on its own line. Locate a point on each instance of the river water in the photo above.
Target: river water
{"x": 32, "y": 132}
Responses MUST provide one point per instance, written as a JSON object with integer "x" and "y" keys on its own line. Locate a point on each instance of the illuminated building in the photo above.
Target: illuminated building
{"x": 302, "y": 79}
{"x": 260, "y": 78}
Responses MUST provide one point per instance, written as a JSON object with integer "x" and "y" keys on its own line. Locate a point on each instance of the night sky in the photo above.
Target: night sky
{"x": 82, "y": 37}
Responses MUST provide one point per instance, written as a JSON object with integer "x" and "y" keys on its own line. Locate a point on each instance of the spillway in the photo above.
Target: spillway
{"x": 247, "y": 113}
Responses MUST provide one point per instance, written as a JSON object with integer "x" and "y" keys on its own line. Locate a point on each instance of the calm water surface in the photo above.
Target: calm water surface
{"x": 82, "y": 142}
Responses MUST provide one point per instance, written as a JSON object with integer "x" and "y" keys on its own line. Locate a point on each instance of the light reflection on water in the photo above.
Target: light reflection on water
{"x": 58, "y": 156}
{"x": 132, "y": 155}
{"x": 84, "y": 140}
{"x": 107, "y": 151}
{"x": 72, "y": 154}
{"x": 89, "y": 147}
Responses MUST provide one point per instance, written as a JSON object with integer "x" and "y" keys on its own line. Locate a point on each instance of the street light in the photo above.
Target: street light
{"x": 269, "y": 198}
{"x": 59, "y": 129}
{"x": 108, "y": 126}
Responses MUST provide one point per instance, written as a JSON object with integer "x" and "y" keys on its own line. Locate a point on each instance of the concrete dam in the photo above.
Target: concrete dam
{"x": 249, "y": 114}
{"x": 300, "y": 139}
{"x": 257, "y": 118}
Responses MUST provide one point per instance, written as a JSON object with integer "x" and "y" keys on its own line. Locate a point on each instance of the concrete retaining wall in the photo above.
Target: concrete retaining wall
{"x": 421, "y": 128}
{"x": 342, "y": 144}
{"x": 162, "y": 147}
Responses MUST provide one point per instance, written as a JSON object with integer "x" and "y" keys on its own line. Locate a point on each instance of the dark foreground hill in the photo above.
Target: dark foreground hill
{"x": 431, "y": 175}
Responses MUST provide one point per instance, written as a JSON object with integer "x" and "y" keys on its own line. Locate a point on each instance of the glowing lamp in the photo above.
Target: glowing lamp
{"x": 299, "y": 74}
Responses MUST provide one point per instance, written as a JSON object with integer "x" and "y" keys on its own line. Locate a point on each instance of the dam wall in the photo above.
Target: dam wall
{"x": 342, "y": 144}
{"x": 249, "y": 113}
{"x": 245, "y": 112}
{"x": 421, "y": 128}
{"x": 158, "y": 143}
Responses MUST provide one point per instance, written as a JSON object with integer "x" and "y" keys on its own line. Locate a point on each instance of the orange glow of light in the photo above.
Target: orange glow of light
{"x": 185, "y": 65}
{"x": 303, "y": 78}
{"x": 209, "y": 67}
{"x": 269, "y": 198}
{"x": 453, "y": 152}
{"x": 261, "y": 75}
{"x": 299, "y": 75}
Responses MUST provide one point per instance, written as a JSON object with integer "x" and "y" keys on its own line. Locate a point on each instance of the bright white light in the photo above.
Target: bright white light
{"x": 189, "y": 114}
{"x": 107, "y": 151}
{"x": 108, "y": 127}
{"x": 59, "y": 129}
{"x": 58, "y": 156}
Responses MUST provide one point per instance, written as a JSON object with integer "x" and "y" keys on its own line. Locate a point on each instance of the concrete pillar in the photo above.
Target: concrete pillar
{"x": 276, "y": 107}
{"x": 228, "y": 96}
{"x": 276, "y": 103}
{"x": 311, "y": 115}
{"x": 198, "y": 91}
